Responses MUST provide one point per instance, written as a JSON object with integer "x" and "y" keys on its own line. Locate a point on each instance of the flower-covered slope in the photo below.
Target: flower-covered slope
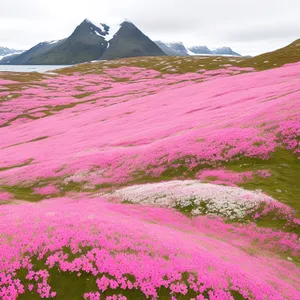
{"x": 104, "y": 250}
{"x": 112, "y": 131}
{"x": 88, "y": 143}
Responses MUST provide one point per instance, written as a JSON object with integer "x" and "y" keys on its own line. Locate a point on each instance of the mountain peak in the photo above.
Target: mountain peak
{"x": 130, "y": 41}
{"x": 128, "y": 24}
{"x": 127, "y": 21}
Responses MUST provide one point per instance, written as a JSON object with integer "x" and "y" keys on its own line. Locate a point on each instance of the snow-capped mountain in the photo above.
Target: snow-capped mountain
{"x": 95, "y": 41}
{"x": 172, "y": 49}
{"x": 200, "y": 50}
{"x": 204, "y": 50}
{"x": 91, "y": 41}
{"x": 4, "y": 51}
{"x": 179, "y": 49}
{"x": 225, "y": 51}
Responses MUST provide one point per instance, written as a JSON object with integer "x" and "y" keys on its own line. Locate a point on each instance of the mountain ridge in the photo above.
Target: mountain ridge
{"x": 179, "y": 49}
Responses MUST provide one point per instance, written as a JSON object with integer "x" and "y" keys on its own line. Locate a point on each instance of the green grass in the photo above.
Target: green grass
{"x": 283, "y": 184}
{"x": 275, "y": 59}
{"x": 23, "y": 193}
{"x": 163, "y": 64}
{"x": 29, "y": 161}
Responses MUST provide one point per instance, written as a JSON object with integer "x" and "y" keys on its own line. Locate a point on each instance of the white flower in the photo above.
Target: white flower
{"x": 230, "y": 202}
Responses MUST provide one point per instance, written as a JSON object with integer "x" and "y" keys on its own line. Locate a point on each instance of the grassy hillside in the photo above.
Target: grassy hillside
{"x": 277, "y": 58}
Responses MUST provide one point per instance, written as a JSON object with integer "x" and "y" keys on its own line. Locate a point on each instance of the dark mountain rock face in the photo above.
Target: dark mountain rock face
{"x": 90, "y": 42}
{"x": 129, "y": 41}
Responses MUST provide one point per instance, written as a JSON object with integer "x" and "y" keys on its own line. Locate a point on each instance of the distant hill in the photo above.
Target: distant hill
{"x": 277, "y": 58}
{"x": 179, "y": 49}
{"x": 200, "y": 50}
{"x": 4, "y": 51}
{"x": 90, "y": 42}
{"x": 173, "y": 49}
{"x": 225, "y": 51}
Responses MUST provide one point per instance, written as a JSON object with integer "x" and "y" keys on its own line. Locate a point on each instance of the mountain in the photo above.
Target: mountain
{"x": 200, "y": 50}
{"x": 277, "y": 58}
{"x": 225, "y": 51}
{"x": 86, "y": 43}
{"x": 90, "y": 42}
{"x": 178, "y": 49}
{"x": 129, "y": 41}
{"x": 172, "y": 49}
{"x": 4, "y": 51}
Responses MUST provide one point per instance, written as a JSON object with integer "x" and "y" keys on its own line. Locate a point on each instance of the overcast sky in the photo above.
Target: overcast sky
{"x": 248, "y": 26}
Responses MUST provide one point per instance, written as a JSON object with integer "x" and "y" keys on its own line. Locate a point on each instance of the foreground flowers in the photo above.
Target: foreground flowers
{"x": 126, "y": 250}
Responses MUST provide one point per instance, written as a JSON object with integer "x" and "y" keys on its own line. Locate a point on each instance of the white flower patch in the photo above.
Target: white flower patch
{"x": 200, "y": 198}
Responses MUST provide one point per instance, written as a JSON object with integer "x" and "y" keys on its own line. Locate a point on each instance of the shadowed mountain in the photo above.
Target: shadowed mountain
{"x": 129, "y": 41}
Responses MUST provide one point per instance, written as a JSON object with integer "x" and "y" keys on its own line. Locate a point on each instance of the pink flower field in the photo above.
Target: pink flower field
{"x": 134, "y": 184}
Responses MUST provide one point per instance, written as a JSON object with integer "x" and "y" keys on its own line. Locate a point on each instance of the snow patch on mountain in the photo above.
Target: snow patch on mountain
{"x": 52, "y": 42}
{"x": 178, "y": 48}
{"x": 104, "y": 30}
{"x": 113, "y": 29}
{"x": 4, "y": 52}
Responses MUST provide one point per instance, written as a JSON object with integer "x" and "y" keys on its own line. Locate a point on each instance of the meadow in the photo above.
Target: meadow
{"x": 151, "y": 178}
